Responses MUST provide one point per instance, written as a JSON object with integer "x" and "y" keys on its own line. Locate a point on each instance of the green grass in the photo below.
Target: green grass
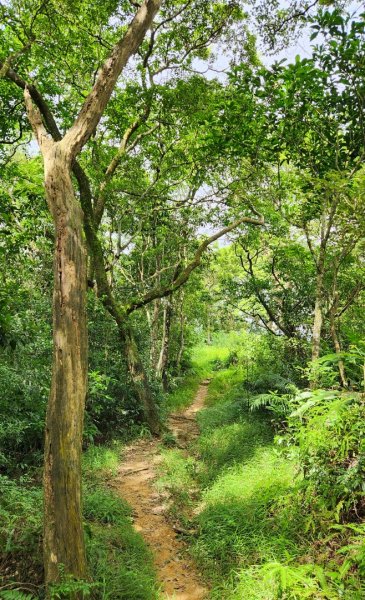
{"x": 102, "y": 461}
{"x": 187, "y": 386}
{"x": 203, "y": 356}
{"x": 233, "y": 486}
{"x": 184, "y": 392}
{"x": 120, "y": 564}
{"x": 238, "y": 522}
{"x": 177, "y": 478}
{"x": 242, "y": 478}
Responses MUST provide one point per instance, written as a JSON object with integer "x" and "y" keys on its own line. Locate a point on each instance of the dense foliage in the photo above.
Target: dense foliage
{"x": 222, "y": 220}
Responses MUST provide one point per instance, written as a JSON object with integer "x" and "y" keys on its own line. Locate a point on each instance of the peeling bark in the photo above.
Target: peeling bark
{"x": 63, "y": 532}
{"x": 318, "y": 318}
{"x": 63, "y": 529}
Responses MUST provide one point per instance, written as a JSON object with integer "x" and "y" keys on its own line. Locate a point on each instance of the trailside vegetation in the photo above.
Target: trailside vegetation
{"x": 176, "y": 205}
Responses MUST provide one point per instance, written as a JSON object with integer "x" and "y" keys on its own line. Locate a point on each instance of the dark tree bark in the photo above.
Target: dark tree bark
{"x": 139, "y": 378}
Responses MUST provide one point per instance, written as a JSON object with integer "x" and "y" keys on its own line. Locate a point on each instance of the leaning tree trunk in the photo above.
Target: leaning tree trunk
{"x": 63, "y": 534}
{"x": 139, "y": 377}
{"x": 128, "y": 346}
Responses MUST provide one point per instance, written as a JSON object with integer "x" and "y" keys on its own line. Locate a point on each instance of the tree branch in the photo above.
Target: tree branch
{"x": 182, "y": 278}
{"x": 99, "y": 204}
{"x": 261, "y": 299}
{"x": 95, "y": 103}
{"x": 38, "y": 100}
{"x": 35, "y": 119}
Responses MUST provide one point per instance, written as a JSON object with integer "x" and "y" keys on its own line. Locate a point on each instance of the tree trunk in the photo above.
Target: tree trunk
{"x": 317, "y": 328}
{"x": 165, "y": 346}
{"x": 336, "y": 343}
{"x": 63, "y": 533}
{"x": 318, "y": 307}
{"x": 182, "y": 335}
{"x": 154, "y": 334}
{"x": 318, "y": 315}
{"x": 139, "y": 378}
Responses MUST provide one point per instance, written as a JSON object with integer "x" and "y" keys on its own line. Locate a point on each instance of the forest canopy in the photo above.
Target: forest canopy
{"x": 182, "y": 200}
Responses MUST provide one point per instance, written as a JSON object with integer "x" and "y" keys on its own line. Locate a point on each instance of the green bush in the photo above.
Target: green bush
{"x": 21, "y": 516}
{"x": 329, "y": 429}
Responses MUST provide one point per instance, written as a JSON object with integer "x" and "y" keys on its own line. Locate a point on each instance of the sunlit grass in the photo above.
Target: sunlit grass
{"x": 203, "y": 356}
{"x": 102, "y": 461}
{"x": 185, "y": 388}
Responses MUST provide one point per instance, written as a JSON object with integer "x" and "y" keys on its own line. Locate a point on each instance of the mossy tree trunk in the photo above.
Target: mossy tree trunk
{"x": 63, "y": 534}
{"x": 63, "y": 530}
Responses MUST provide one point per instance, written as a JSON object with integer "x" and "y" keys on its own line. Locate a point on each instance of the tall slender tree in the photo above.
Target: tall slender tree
{"x": 63, "y": 532}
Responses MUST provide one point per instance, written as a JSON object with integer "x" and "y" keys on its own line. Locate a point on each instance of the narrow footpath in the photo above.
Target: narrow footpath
{"x": 177, "y": 573}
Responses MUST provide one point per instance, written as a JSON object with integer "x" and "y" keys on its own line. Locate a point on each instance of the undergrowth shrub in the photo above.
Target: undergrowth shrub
{"x": 21, "y": 519}
{"x": 268, "y": 382}
{"x": 329, "y": 429}
{"x": 23, "y": 397}
{"x": 20, "y": 532}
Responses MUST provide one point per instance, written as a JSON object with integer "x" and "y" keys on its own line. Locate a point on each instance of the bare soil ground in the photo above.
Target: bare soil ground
{"x": 179, "y": 577}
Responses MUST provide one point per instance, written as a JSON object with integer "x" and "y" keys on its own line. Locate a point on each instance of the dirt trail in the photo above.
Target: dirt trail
{"x": 177, "y": 573}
